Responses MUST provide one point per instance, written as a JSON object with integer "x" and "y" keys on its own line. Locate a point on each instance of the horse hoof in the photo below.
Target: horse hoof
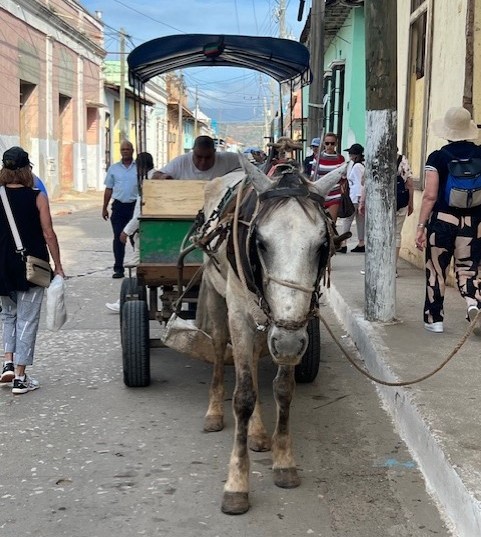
{"x": 213, "y": 424}
{"x": 286, "y": 478}
{"x": 259, "y": 443}
{"x": 235, "y": 503}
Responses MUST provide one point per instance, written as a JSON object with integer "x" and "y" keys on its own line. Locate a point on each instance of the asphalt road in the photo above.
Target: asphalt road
{"x": 86, "y": 456}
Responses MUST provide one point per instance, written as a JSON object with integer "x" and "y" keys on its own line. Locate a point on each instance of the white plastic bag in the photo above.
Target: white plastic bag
{"x": 56, "y": 311}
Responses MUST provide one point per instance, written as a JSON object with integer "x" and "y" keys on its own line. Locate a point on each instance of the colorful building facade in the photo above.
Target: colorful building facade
{"x": 51, "y": 57}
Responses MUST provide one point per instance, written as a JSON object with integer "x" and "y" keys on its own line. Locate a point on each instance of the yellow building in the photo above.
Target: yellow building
{"x": 439, "y": 66}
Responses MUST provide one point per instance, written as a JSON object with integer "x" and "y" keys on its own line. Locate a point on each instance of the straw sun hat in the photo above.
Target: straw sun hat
{"x": 456, "y": 125}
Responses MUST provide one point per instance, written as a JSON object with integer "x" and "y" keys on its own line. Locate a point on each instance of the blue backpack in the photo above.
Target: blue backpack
{"x": 463, "y": 185}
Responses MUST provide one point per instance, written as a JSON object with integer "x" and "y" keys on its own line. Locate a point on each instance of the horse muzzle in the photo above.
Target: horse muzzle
{"x": 287, "y": 346}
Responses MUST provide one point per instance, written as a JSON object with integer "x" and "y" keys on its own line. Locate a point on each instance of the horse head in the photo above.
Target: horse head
{"x": 290, "y": 240}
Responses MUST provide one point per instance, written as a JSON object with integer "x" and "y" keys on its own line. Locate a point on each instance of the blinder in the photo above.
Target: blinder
{"x": 251, "y": 209}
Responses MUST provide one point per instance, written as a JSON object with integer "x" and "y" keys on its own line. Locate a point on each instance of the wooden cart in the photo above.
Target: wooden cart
{"x": 169, "y": 208}
{"x": 168, "y": 213}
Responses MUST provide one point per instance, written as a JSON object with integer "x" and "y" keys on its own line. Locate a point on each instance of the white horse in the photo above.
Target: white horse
{"x": 265, "y": 275}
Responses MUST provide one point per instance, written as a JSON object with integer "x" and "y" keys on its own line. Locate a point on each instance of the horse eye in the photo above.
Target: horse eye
{"x": 261, "y": 246}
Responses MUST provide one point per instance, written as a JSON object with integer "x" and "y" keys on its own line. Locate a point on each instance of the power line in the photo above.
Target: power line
{"x": 149, "y": 17}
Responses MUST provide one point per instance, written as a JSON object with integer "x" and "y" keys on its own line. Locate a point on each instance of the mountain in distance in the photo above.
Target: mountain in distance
{"x": 246, "y": 134}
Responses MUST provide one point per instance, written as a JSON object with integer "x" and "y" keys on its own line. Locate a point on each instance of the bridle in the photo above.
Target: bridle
{"x": 247, "y": 260}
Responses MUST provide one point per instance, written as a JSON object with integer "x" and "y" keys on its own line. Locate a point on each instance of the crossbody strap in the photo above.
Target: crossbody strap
{"x": 11, "y": 220}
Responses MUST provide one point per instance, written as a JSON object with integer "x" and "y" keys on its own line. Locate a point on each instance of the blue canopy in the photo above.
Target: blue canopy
{"x": 282, "y": 59}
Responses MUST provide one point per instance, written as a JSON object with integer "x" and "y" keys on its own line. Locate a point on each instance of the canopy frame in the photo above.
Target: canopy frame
{"x": 284, "y": 60}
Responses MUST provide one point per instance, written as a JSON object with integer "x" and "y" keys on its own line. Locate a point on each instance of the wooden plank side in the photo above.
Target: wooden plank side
{"x": 172, "y": 198}
{"x": 167, "y": 274}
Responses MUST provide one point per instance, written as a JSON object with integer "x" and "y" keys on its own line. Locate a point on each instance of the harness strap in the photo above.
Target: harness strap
{"x": 260, "y": 318}
{"x": 285, "y": 192}
{"x": 285, "y": 283}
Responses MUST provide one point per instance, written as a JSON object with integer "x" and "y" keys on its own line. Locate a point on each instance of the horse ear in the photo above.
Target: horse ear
{"x": 325, "y": 184}
{"x": 259, "y": 180}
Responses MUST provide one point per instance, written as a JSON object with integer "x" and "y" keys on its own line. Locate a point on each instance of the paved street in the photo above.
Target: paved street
{"x": 86, "y": 456}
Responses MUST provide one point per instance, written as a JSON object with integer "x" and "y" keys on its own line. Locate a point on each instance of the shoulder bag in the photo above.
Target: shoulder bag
{"x": 346, "y": 208}
{"x": 37, "y": 270}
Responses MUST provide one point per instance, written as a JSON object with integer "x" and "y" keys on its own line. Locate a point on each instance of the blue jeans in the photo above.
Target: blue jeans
{"x": 20, "y": 316}
{"x": 121, "y": 215}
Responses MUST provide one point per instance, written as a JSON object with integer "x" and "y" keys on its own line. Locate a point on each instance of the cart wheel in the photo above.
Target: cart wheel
{"x": 307, "y": 370}
{"x": 135, "y": 344}
{"x": 130, "y": 287}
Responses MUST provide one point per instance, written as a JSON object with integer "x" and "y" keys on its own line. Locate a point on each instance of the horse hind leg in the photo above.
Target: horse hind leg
{"x": 212, "y": 319}
{"x": 283, "y": 463}
{"x": 259, "y": 440}
{"x": 214, "y": 417}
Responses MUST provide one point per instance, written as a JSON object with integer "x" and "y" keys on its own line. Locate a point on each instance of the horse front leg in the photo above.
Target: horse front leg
{"x": 283, "y": 463}
{"x": 235, "y": 500}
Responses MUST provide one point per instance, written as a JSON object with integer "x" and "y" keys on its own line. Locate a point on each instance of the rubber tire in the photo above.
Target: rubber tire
{"x": 130, "y": 286}
{"x": 306, "y": 371}
{"x": 135, "y": 344}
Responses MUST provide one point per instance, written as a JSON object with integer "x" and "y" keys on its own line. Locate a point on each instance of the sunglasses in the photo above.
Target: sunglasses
{"x": 329, "y": 143}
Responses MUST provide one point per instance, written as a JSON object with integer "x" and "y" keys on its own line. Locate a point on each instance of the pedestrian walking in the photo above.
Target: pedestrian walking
{"x": 145, "y": 170}
{"x": 121, "y": 186}
{"x": 310, "y": 160}
{"x": 355, "y": 179}
{"x": 22, "y": 300}
{"x": 329, "y": 159}
{"x": 450, "y": 218}
{"x": 404, "y": 178}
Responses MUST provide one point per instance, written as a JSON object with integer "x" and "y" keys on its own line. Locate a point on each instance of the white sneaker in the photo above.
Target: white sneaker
{"x": 434, "y": 327}
{"x": 114, "y": 306}
{"x": 24, "y": 386}
{"x": 472, "y": 312}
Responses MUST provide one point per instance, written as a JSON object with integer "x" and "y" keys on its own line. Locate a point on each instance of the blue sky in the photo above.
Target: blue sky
{"x": 225, "y": 94}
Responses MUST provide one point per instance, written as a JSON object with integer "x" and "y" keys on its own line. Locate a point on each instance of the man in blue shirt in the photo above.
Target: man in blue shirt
{"x": 121, "y": 186}
{"x": 38, "y": 184}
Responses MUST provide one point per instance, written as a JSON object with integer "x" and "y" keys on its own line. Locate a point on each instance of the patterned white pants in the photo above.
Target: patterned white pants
{"x": 20, "y": 316}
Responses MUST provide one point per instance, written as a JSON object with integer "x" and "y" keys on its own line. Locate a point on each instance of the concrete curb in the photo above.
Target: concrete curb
{"x": 442, "y": 478}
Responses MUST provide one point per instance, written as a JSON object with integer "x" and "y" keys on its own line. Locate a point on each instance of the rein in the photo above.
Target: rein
{"x": 451, "y": 355}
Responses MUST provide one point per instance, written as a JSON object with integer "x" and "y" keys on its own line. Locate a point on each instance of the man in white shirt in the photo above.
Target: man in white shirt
{"x": 202, "y": 163}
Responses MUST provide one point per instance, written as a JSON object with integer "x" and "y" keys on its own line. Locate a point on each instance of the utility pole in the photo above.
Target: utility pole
{"x": 381, "y": 142}
{"x": 196, "y": 111}
{"x": 267, "y": 132}
{"x": 179, "y": 118}
{"x": 315, "y": 116}
{"x": 123, "y": 133}
{"x": 282, "y": 18}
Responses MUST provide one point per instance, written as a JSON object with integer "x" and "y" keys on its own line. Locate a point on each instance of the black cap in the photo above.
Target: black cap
{"x": 15, "y": 158}
{"x": 355, "y": 149}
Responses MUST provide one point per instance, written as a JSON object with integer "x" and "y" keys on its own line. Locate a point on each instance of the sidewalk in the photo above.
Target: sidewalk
{"x": 439, "y": 418}
{"x": 76, "y": 201}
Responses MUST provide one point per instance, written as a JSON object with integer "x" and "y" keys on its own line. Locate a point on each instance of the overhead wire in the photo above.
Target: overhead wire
{"x": 149, "y": 17}
{"x": 237, "y": 16}
{"x": 267, "y": 27}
